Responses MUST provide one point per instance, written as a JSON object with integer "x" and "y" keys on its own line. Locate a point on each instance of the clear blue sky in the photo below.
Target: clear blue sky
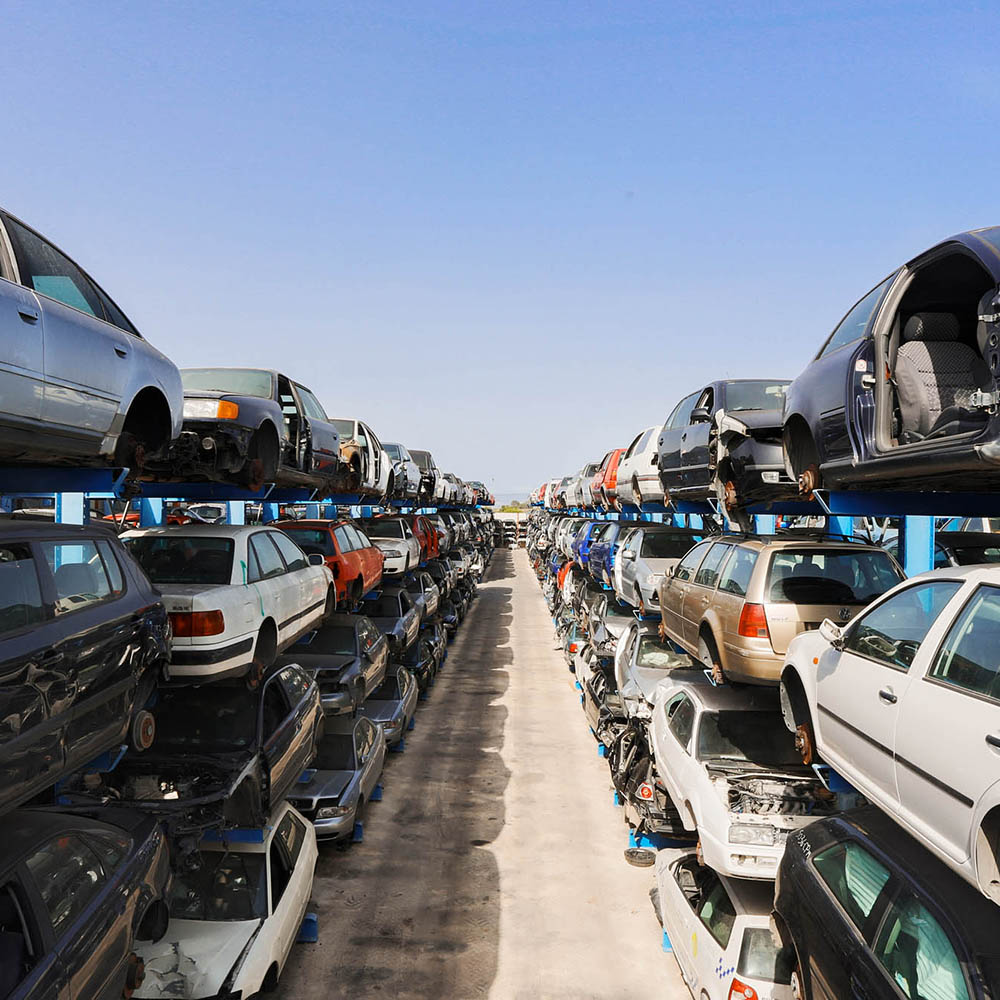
{"x": 453, "y": 219}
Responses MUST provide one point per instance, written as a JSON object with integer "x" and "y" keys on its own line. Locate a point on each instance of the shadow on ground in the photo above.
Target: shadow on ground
{"x": 414, "y": 910}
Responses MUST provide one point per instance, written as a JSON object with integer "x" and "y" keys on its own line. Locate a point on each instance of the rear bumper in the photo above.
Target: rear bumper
{"x": 226, "y": 659}
{"x": 751, "y": 665}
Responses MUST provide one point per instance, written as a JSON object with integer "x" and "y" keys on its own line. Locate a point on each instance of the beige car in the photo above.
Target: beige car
{"x": 736, "y": 602}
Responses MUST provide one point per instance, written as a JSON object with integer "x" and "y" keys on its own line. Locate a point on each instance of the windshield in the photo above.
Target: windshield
{"x": 392, "y": 450}
{"x": 383, "y": 606}
{"x": 226, "y": 886}
{"x": 422, "y": 458}
{"x": 312, "y": 541}
{"x": 755, "y": 395}
{"x": 666, "y": 544}
{"x": 184, "y": 558}
{"x": 219, "y": 720}
{"x": 656, "y": 654}
{"x": 760, "y": 959}
{"x": 384, "y": 529}
{"x": 972, "y": 555}
{"x": 838, "y": 576}
{"x": 335, "y": 753}
{"x": 754, "y": 736}
{"x": 234, "y": 381}
{"x": 335, "y": 640}
{"x": 345, "y": 429}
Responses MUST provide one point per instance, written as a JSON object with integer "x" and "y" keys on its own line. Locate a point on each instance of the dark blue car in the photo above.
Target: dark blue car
{"x": 903, "y": 394}
{"x": 591, "y": 532}
{"x": 600, "y": 559}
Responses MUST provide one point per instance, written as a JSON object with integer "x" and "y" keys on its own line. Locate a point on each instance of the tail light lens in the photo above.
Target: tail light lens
{"x": 187, "y": 624}
{"x": 740, "y": 991}
{"x": 753, "y": 622}
{"x": 572, "y": 647}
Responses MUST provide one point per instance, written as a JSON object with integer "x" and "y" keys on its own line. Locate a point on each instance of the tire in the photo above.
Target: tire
{"x": 270, "y": 982}
{"x": 154, "y": 922}
{"x": 331, "y": 603}
{"x": 265, "y": 652}
{"x": 636, "y": 494}
{"x": 709, "y": 656}
{"x": 261, "y": 465}
{"x": 130, "y": 452}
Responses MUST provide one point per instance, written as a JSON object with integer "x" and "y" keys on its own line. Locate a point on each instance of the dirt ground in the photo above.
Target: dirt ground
{"x": 493, "y": 866}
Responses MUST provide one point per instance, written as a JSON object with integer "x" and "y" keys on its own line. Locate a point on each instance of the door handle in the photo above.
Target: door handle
{"x": 994, "y": 741}
{"x": 121, "y": 352}
{"x": 28, "y": 315}
{"x": 887, "y": 696}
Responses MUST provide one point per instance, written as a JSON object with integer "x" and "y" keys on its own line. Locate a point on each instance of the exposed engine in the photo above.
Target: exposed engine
{"x": 777, "y": 795}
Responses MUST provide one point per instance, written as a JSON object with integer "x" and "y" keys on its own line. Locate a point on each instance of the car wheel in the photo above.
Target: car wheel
{"x": 331, "y": 603}
{"x": 265, "y": 652}
{"x": 636, "y": 493}
{"x": 154, "y": 922}
{"x": 805, "y": 742}
{"x": 130, "y": 452}
{"x": 143, "y": 729}
{"x": 261, "y": 465}
{"x": 795, "y": 983}
{"x": 709, "y": 657}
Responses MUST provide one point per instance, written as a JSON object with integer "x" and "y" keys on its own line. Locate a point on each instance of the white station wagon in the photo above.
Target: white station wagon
{"x": 237, "y": 595}
{"x": 904, "y": 702}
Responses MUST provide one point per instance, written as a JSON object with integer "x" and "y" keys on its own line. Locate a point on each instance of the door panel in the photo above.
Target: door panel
{"x": 694, "y": 455}
{"x": 22, "y": 368}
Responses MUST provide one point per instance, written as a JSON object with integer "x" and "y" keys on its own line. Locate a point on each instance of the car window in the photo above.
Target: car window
{"x": 855, "y": 878}
{"x": 755, "y": 396}
{"x": 296, "y": 684}
{"x": 280, "y": 872}
{"x": 738, "y": 570}
{"x": 708, "y": 571}
{"x": 225, "y": 885}
{"x": 717, "y": 912}
{"x": 275, "y": 709}
{"x": 292, "y": 833}
{"x": 666, "y": 544}
{"x": 311, "y": 404}
{"x": 68, "y": 876}
{"x": 111, "y": 566}
{"x": 182, "y": 559}
{"x": 20, "y": 594}
{"x": 628, "y": 451}
{"x": 760, "y": 958}
{"x": 643, "y": 441}
{"x": 314, "y": 540}
{"x": 232, "y": 381}
{"x": 892, "y": 632}
{"x": 968, "y": 657}
{"x": 830, "y": 576}
{"x": 50, "y": 272}
{"x": 78, "y": 572}
{"x": 680, "y": 712}
{"x": 918, "y": 955}
{"x": 629, "y": 642}
{"x": 268, "y": 559}
{"x": 686, "y": 567}
{"x": 294, "y": 557}
{"x": 111, "y": 848}
{"x": 852, "y": 327}
{"x": 360, "y": 538}
{"x": 681, "y": 416}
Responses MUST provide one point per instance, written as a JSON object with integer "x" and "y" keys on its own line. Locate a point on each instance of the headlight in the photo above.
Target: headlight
{"x": 210, "y": 409}
{"x": 652, "y": 579}
{"x": 745, "y": 833}
{"x": 332, "y": 812}
{"x": 391, "y": 553}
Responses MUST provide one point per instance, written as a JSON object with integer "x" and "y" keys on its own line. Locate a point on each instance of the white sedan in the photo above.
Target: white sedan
{"x": 237, "y": 595}
{"x": 394, "y": 538}
{"x": 234, "y": 918}
{"x": 719, "y": 931}
{"x": 732, "y": 770}
{"x": 905, "y": 703}
{"x": 638, "y": 472}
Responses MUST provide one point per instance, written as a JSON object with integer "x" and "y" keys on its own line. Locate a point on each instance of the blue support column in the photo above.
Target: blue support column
{"x": 269, "y": 512}
{"x": 764, "y": 524}
{"x": 150, "y": 512}
{"x": 236, "y": 512}
{"x": 917, "y": 544}
{"x": 312, "y": 511}
{"x": 6, "y": 505}
{"x": 330, "y": 511}
{"x": 695, "y": 521}
{"x": 840, "y": 525}
{"x": 71, "y": 508}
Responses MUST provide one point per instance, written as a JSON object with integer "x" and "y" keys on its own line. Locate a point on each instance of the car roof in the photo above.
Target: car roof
{"x": 318, "y": 522}
{"x": 51, "y": 529}
{"x": 790, "y": 541}
{"x": 214, "y": 530}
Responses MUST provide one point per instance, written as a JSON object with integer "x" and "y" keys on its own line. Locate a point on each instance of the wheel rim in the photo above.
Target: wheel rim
{"x": 809, "y": 480}
{"x": 730, "y": 495}
{"x": 804, "y": 743}
{"x": 796, "y": 985}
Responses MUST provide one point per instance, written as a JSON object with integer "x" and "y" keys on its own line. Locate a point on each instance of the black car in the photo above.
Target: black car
{"x": 393, "y": 611}
{"x": 903, "y": 393}
{"x": 348, "y": 657}
{"x": 871, "y": 913}
{"x": 225, "y": 753}
{"x": 422, "y": 661}
{"x": 724, "y": 441}
{"x": 75, "y": 896}
{"x": 83, "y": 640}
{"x": 252, "y": 426}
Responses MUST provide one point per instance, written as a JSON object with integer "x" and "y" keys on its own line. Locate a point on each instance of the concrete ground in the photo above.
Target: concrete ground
{"x": 493, "y": 866}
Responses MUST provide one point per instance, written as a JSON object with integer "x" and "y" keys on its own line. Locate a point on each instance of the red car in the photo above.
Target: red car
{"x": 605, "y": 480}
{"x": 427, "y": 535}
{"x": 356, "y": 564}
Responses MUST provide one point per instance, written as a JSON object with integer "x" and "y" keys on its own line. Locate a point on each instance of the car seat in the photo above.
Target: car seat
{"x": 75, "y": 580}
{"x": 934, "y": 372}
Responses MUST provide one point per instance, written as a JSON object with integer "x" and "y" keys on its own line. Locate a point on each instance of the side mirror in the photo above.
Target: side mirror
{"x": 628, "y": 554}
{"x": 700, "y": 415}
{"x": 832, "y": 632}
{"x": 315, "y": 559}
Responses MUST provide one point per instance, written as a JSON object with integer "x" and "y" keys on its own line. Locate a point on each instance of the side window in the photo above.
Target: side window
{"x": 49, "y": 272}
{"x": 968, "y": 658}
{"x": 296, "y": 684}
{"x": 19, "y": 933}
{"x": 359, "y": 743}
{"x": 630, "y": 451}
{"x": 78, "y": 573}
{"x": 708, "y": 572}
{"x": 68, "y": 876}
{"x": 111, "y": 566}
{"x": 343, "y": 542}
{"x": 294, "y": 556}
{"x": 852, "y": 327}
{"x": 253, "y": 566}
{"x": 268, "y": 560}
{"x": 892, "y": 632}
{"x": 716, "y": 911}
{"x": 681, "y": 416}
{"x": 358, "y": 538}
{"x": 20, "y": 594}
{"x": 111, "y": 848}
{"x": 291, "y": 832}
{"x": 369, "y": 635}
{"x": 643, "y": 441}
{"x": 407, "y": 533}
{"x": 275, "y": 709}
{"x": 916, "y": 952}
{"x": 280, "y": 871}
{"x": 680, "y": 712}
{"x": 737, "y": 571}
{"x": 855, "y": 878}
{"x": 310, "y": 404}
{"x": 630, "y": 640}
{"x": 686, "y": 567}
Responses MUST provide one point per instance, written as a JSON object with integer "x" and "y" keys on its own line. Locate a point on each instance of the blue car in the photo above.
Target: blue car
{"x": 602, "y": 550}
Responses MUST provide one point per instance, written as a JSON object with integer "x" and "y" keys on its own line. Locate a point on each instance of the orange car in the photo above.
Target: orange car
{"x": 355, "y": 562}
{"x": 605, "y": 480}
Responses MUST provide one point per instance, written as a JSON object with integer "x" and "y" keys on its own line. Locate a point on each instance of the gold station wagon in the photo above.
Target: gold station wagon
{"x": 735, "y": 602}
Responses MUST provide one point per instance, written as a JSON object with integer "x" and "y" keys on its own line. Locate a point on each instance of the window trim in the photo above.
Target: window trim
{"x": 888, "y": 281}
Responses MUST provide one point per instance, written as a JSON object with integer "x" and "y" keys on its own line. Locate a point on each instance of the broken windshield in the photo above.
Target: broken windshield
{"x": 221, "y": 718}
{"x": 752, "y": 736}
{"x": 226, "y": 886}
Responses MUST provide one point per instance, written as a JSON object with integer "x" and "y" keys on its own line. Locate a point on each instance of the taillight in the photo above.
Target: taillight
{"x": 753, "y": 622}
{"x": 740, "y": 991}
{"x": 572, "y": 647}
{"x": 197, "y": 623}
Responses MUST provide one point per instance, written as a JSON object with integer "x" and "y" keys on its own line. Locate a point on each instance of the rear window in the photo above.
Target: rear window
{"x": 234, "y": 381}
{"x": 384, "y": 529}
{"x": 345, "y": 429}
{"x": 335, "y": 753}
{"x": 818, "y": 576}
{"x": 666, "y": 544}
{"x": 658, "y": 655}
{"x": 760, "y": 959}
{"x": 334, "y": 640}
{"x": 973, "y": 555}
{"x": 384, "y": 606}
{"x": 20, "y": 591}
{"x": 184, "y": 558}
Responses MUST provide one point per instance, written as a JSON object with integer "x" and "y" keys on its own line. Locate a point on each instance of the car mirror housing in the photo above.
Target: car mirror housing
{"x": 700, "y": 415}
{"x": 628, "y": 554}
{"x": 832, "y": 632}
{"x": 315, "y": 559}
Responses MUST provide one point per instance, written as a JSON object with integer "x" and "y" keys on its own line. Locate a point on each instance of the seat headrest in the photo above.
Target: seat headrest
{"x": 931, "y": 326}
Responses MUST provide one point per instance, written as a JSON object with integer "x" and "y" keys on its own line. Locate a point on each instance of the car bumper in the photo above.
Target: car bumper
{"x": 393, "y": 566}
{"x": 751, "y": 665}
{"x": 740, "y": 860}
{"x": 225, "y": 659}
{"x": 337, "y": 702}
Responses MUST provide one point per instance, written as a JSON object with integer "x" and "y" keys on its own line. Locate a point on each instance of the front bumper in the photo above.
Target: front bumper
{"x": 741, "y": 860}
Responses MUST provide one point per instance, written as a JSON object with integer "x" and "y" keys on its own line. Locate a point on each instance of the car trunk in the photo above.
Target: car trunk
{"x": 785, "y": 620}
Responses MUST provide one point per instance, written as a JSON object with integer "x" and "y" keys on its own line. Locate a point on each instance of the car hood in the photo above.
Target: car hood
{"x": 323, "y": 664}
{"x": 322, "y": 785}
{"x": 645, "y": 679}
{"x": 194, "y": 957}
{"x": 387, "y": 625}
{"x": 754, "y": 420}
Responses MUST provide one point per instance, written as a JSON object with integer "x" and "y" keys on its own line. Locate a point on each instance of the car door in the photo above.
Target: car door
{"x": 378, "y": 459}
{"x": 285, "y": 744}
{"x": 677, "y": 905}
{"x": 323, "y": 452}
{"x": 674, "y": 595}
{"x": 670, "y": 442}
{"x": 266, "y": 574}
{"x": 87, "y": 359}
{"x": 713, "y": 928}
{"x": 695, "y": 440}
{"x": 859, "y": 688}
{"x": 25, "y": 916}
{"x": 290, "y": 877}
{"x": 22, "y": 367}
{"x": 308, "y": 581}
{"x": 942, "y": 781}
{"x": 675, "y": 742}
{"x": 702, "y": 591}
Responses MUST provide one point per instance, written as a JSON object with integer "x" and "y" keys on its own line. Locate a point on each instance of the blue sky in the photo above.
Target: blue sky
{"x": 513, "y": 233}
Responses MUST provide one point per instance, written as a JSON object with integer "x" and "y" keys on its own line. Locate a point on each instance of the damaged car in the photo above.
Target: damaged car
{"x": 370, "y": 470}
{"x": 394, "y": 613}
{"x": 251, "y": 426}
{"x": 642, "y": 660}
{"x": 426, "y": 596}
{"x": 734, "y": 773}
{"x": 392, "y": 705}
{"x": 406, "y": 472}
{"x": 235, "y": 912}
{"x": 648, "y": 557}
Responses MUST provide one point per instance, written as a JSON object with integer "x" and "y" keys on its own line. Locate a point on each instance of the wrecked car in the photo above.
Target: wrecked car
{"x": 84, "y": 639}
{"x": 370, "y": 470}
{"x": 642, "y": 660}
{"x": 638, "y": 481}
{"x": 724, "y": 442}
{"x": 250, "y": 426}
{"x": 77, "y": 896}
{"x": 648, "y": 556}
{"x": 425, "y": 594}
{"x": 235, "y": 913}
{"x": 406, "y": 472}
{"x": 392, "y": 705}
{"x": 393, "y": 536}
{"x": 225, "y": 754}
{"x": 396, "y": 616}
{"x": 733, "y": 771}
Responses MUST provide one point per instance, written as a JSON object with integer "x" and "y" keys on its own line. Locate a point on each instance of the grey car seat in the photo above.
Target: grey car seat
{"x": 934, "y": 371}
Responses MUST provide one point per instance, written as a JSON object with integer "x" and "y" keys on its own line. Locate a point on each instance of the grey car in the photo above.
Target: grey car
{"x": 407, "y": 472}
{"x": 333, "y": 793}
{"x": 395, "y": 615}
{"x": 393, "y": 704}
{"x": 649, "y": 554}
{"x": 443, "y": 574}
{"x": 425, "y": 594}
{"x": 78, "y": 384}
